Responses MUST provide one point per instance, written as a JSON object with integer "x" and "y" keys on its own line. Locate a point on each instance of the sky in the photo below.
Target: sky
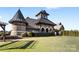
{"x": 68, "y": 16}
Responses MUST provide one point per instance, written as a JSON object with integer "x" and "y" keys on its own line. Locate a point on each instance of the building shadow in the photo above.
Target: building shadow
{"x": 28, "y": 45}
{"x": 7, "y": 44}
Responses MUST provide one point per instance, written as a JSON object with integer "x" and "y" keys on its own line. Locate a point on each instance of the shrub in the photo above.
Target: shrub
{"x": 10, "y": 37}
{"x": 30, "y": 34}
{"x": 24, "y": 34}
{"x": 70, "y": 33}
{"x": 6, "y": 33}
{"x": 13, "y": 37}
{"x": 1, "y": 33}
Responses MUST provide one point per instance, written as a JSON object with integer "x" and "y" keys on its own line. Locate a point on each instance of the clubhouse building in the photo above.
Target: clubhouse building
{"x": 39, "y": 25}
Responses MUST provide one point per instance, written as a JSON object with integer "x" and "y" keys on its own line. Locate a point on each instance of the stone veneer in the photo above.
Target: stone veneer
{"x": 17, "y": 29}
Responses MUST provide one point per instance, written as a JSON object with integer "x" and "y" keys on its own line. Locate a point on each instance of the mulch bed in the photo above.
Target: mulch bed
{"x": 10, "y": 37}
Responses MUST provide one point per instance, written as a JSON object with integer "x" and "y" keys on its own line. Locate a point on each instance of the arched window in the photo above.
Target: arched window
{"x": 42, "y": 30}
{"x": 50, "y": 29}
{"x": 46, "y": 29}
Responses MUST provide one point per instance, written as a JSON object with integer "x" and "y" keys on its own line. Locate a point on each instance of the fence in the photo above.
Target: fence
{"x": 70, "y": 33}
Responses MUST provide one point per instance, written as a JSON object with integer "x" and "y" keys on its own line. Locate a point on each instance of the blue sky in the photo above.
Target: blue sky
{"x": 68, "y": 16}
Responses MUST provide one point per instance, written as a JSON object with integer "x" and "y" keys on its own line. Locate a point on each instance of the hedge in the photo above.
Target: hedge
{"x": 70, "y": 33}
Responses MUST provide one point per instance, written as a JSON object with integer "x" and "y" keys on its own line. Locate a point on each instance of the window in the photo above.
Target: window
{"x": 18, "y": 27}
{"x": 42, "y": 30}
{"x": 50, "y": 29}
{"x": 21, "y": 28}
{"x": 47, "y": 30}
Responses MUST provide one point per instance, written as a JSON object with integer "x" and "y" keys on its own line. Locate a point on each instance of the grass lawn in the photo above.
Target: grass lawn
{"x": 42, "y": 44}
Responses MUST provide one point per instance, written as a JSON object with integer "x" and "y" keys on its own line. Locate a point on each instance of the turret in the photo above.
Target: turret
{"x": 42, "y": 14}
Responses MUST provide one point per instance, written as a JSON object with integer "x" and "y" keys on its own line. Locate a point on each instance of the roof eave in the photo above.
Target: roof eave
{"x": 18, "y": 21}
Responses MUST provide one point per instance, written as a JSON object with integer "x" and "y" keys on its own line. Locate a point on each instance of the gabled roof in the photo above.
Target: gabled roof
{"x": 59, "y": 27}
{"x": 18, "y": 17}
{"x": 44, "y": 21}
{"x": 42, "y": 12}
{"x": 31, "y": 22}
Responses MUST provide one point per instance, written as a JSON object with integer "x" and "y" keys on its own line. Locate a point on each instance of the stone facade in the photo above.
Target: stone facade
{"x": 18, "y": 28}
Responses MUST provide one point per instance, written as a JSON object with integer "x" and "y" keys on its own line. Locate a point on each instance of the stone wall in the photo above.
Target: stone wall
{"x": 50, "y": 28}
{"x": 17, "y": 29}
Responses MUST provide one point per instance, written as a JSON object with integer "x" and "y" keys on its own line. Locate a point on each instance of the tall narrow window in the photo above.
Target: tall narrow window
{"x": 47, "y": 30}
{"x": 42, "y": 30}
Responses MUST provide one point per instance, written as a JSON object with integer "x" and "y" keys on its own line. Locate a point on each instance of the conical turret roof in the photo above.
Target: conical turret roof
{"x": 18, "y": 17}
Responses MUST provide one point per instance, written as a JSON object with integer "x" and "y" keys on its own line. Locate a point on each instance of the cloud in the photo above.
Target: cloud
{"x": 0, "y": 18}
{"x": 50, "y": 8}
{"x": 1, "y": 29}
{"x": 8, "y": 27}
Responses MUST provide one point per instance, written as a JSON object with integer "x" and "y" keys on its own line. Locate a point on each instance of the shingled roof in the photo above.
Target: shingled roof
{"x": 18, "y": 17}
{"x": 31, "y": 22}
{"x": 44, "y": 21}
{"x": 59, "y": 27}
{"x": 42, "y": 12}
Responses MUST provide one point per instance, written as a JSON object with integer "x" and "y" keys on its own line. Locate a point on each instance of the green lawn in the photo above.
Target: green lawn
{"x": 42, "y": 44}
